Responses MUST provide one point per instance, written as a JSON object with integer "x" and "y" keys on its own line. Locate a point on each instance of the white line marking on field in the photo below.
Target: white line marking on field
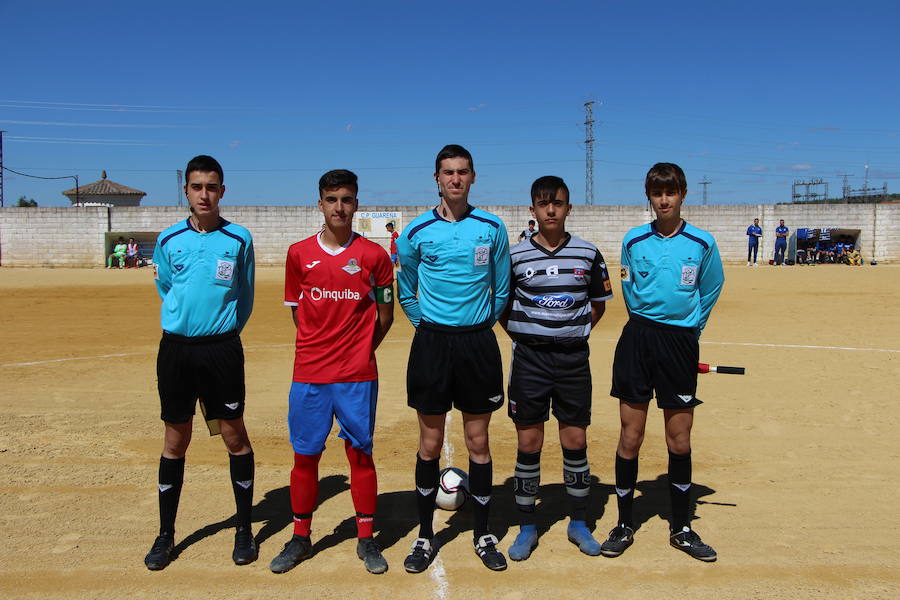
{"x": 438, "y": 573}
{"x": 804, "y": 347}
{"x": 56, "y": 360}
{"x": 264, "y": 346}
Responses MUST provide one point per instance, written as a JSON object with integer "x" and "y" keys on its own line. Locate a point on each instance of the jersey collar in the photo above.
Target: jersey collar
{"x": 328, "y": 250}
{"x": 437, "y": 215}
{"x": 222, "y": 223}
{"x": 547, "y": 251}
{"x": 658, "y": 234}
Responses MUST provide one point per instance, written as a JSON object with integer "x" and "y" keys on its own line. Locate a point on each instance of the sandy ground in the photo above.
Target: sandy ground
{"x": 795, "y": 464}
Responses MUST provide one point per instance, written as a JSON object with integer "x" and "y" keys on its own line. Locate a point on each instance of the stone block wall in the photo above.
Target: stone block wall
{"x": 74, "y": 236}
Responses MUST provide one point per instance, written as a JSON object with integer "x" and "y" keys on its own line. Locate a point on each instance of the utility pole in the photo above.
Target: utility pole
{"x": 705, "y": 182}
{"x": 1, "y": 168}
{"x": 589, "y": 153}
{"x": 179, "y": 193}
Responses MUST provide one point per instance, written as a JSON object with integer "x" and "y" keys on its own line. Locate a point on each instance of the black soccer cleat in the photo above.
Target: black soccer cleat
{"x": 486, "y": 549}
{"x": 160, "y": 554}
{"x": 298, "y": 549}
{"x": 689, "y": 542}
{"x": 618, "y": 541}
{"x": 245, "y": 549}
{"x": 368, "y": 552}
{"x": 421, "y": 556}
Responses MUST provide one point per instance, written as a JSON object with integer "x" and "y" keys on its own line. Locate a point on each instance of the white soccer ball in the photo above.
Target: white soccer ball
{"x": 453, "y": 488}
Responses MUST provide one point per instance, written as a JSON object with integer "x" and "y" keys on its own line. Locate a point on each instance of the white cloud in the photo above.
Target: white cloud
{"x": 477, "y": 107}
{"x": 801, "y": 167}
{"x": 234, "y": 143}
{"x": 759, "y": 168}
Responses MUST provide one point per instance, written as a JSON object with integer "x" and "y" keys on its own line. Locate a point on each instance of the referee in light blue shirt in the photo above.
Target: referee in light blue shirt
{"x": 671, "y": 278}
{"x": 453, "y": 286}
{"x": 204, "y": 275}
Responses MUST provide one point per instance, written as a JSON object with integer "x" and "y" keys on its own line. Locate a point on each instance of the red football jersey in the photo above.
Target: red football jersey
{"x": 334, "y": 292}
{"x": 394, "y": 236}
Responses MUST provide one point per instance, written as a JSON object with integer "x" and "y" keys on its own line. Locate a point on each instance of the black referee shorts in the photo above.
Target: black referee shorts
{"x": 454, "y": 366}
{"x": 652, "y": 356}
{"x": 550, "y": 375}
{"x": 207, "y": 367}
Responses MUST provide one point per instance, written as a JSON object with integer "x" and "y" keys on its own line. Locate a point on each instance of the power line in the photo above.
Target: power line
{"x": 75, "y": 177}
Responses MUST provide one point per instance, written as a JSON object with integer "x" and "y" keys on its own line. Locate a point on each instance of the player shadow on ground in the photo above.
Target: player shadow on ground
{"x": 654, "y": 500}
{"x": 553, "y": 506}
{"x": 273, "y": 510}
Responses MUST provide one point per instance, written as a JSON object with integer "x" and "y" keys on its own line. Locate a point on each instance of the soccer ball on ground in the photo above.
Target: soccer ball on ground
{"x": 453, "y": 488}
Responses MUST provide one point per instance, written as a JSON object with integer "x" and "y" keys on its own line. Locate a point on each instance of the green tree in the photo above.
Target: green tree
{"x": 27, "y": 202}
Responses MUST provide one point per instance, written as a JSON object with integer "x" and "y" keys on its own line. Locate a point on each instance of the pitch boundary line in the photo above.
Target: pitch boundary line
{"x": 404, "y": 341}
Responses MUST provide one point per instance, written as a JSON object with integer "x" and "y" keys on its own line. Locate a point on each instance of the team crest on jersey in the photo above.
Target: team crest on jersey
{"x": 625, "y": 272}
{"x": 351, "y": 267}
{"x": 688, "y": 275}
{"x": 482, "y": 255}
{"x": 578, "y": 272}
{"x": 224, "y": 270}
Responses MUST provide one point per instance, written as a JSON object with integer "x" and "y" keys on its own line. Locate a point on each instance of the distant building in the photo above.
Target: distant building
{"x": 104, "y": 192}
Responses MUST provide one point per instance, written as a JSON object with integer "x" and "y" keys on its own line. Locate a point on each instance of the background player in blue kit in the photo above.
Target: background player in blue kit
{"x": 558, "y": 293}
{"x": 754, "y": 232}
{"x": 671, "y": 278}
{"x": 204, "y": 274}
{"x": 453, "y": 285}
{"x": 781, "y": 235}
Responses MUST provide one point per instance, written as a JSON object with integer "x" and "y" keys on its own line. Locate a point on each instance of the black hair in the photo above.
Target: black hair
{"x": 546, "y": 187}
{"x": 452, "y": 151}
{"x": 338, "y": 178}
{"x": 206, "y": 164}
{"x": 665, "y": 176}
{"x": 531, "y": 222}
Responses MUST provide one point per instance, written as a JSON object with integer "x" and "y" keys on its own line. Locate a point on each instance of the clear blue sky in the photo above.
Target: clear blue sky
{"x": 750, "y": 94}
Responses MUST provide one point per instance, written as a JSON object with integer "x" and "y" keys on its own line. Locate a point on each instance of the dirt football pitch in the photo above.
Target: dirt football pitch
{"x": 796, "y": 464}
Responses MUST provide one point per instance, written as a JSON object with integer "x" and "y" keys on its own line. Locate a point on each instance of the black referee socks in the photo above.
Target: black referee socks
{"x": 680, "y": 489}
{"x": 427, "y": 474}
{"x": 171, "y": 478}
{"x": 626, "y": 478}
{"x": 480, "y": 476}
{"x": 242, "y": 470}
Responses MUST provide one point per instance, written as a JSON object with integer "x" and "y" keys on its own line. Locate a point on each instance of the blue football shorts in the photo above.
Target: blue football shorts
{"x": 313, "y": 407}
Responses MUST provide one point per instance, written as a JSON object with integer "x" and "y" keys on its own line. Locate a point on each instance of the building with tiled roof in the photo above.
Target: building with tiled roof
{"x": 104, "y": 192}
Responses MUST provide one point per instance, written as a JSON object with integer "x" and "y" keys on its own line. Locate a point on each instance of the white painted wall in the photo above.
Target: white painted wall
{"x": 74, "y": 236}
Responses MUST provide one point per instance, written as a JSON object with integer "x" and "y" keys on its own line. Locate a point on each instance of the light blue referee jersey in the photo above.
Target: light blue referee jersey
{"x": 454, "y": 273}
{"x": 674, "y": 280}
{"x": 205, "y": 279}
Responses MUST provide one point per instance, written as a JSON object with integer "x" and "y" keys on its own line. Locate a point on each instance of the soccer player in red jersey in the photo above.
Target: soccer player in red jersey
{"x": 394, "y": 235}
{"x": 339, "y": 286}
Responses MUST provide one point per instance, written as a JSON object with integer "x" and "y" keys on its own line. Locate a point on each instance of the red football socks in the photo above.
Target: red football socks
{"x": 304, "y": 491}
{"x": 363, "y": 488}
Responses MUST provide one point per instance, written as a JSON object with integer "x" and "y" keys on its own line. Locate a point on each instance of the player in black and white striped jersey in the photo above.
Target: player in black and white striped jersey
{"x": 559, "y": 290}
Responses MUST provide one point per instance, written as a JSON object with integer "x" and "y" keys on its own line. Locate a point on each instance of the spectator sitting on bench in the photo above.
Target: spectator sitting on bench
{"x": 824, "y": 252}
{"x": 118, "y": 253}
{"x": 132, "y": 254}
